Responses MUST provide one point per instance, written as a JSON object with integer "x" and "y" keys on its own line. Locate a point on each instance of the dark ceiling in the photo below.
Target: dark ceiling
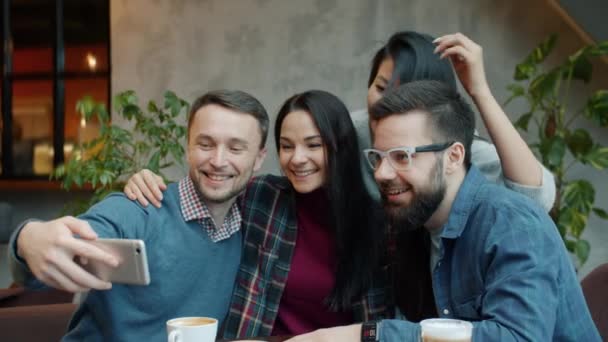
{"x": 85, "y": 22}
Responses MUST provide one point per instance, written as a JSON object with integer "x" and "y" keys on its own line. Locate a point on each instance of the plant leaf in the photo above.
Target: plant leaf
{"x": 526, "y": 69}
{"x": 596, "y": 108}
{"x": 582, "y": 69}
{"x": 601, "y": 213}
{"x": 543, "y": 50}
{"x": 579, "y": 195}
{"x": 523, "y": 121}
{"x": 154, "y": 162}
{"x": 545, "y": 83}
{"x": 152, "y": 107}
{"x": 597, "y": 157}
{"x": 571, "y": 222}
{"x": 170, "y": 99}
{"x": 85, "y": 106}
{"x": 553, "y": 151}
{"x": 516, "y": 91}
{"x": 579, "y": 142}
{"x": 600, "y": 49}
{"x": 570, "y": 245}
{"x": 582, "y": 250}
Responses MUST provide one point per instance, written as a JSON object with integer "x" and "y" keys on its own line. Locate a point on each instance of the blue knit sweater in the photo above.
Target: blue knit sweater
{"x": 190, "y": 274}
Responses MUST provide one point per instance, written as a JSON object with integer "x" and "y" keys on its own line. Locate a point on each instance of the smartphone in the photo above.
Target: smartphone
{"x": 133, "y": 267}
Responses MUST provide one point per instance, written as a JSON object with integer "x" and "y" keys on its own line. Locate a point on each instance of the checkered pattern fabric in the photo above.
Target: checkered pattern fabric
{"x": 193, "y": 208}
{"x": 270, "y": 228}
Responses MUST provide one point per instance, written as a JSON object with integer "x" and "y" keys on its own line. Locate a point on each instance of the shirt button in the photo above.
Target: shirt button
{"x": 446, "y": 311}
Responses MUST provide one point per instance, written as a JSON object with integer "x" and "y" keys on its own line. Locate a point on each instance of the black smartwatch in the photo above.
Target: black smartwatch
{"x": 370, "y": 331}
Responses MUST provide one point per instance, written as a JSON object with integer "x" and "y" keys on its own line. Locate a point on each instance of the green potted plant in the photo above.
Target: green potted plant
{"x": 558, "y": 142}
{"x": 155, "y": 143}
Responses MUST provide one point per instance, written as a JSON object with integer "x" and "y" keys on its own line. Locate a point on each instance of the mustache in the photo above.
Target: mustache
{"x": 389, "y": 184}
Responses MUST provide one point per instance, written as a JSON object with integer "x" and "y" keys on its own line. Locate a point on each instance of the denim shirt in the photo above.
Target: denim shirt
{"x": 504, "y": 267}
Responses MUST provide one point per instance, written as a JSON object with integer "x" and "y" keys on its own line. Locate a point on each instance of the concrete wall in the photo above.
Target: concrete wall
{"x": 274, "y": 48}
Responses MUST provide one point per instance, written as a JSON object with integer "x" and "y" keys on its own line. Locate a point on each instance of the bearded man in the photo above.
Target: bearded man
{"x": 465, "y": 248}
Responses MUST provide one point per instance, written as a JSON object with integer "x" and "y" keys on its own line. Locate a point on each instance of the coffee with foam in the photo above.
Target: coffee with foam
{"x": 446, "y": 330}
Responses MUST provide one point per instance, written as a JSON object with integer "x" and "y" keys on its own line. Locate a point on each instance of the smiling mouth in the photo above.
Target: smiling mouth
{"x": 395, "y": 192}
{"x": 217, "y": 178}
{"x": 303, "y": 173}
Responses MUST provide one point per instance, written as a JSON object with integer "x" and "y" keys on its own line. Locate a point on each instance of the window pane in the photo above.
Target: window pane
{"x": 33, "y": 127}
{"x": 77, "y": 130}
{"x": 86, "y": 58}
{"x": 32, "y": 30}
{"x": 86, "y": 34}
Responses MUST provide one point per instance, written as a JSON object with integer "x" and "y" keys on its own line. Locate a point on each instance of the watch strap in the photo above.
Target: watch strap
{"x": 370, "y": 331}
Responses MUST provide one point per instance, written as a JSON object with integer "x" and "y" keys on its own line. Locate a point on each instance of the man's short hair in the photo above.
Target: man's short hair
{"x": 236, "y": 100}
{"x": 452, "y": 119}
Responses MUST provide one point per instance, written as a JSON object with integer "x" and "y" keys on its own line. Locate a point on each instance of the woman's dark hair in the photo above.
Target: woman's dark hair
{"x": 352, "y": 209}
{"x": 414, "y": 59}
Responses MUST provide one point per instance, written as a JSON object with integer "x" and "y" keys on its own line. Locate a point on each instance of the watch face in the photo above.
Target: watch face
{"x": 369, "y": 332}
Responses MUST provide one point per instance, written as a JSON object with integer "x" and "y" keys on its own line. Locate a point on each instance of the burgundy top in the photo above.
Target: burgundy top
{"x": 312, "y": 274}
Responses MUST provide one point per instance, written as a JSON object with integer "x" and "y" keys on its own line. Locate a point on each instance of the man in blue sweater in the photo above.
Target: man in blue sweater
{"x": 465, "y": 248}
{"x": 193, "y": 241}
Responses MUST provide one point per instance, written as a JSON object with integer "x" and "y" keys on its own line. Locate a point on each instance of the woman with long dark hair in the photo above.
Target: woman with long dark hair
{"x": 311, "y": 235}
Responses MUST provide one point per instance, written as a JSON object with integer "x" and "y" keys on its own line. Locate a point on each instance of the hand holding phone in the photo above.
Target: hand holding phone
{"x": 50, "y": 250}
{"x": 133, "y": 262}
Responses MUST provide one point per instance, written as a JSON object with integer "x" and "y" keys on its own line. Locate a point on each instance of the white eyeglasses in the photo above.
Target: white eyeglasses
{"x": 400, "y": 158}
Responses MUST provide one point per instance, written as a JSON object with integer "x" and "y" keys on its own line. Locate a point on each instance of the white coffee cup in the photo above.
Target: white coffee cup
{"x": 192, "y": 329}
{"x": 446, "y": 330}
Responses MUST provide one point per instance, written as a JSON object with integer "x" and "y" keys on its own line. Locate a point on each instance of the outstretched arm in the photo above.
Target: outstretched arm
{"x": 517, "y": 160}
{"x": 49, "y": 250}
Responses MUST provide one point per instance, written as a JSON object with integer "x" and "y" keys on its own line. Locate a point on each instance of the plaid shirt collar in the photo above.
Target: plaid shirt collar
{"x": 193, "y": 208}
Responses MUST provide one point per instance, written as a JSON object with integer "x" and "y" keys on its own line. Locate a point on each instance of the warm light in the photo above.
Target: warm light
{"x": 83, "y": 122}
{"x": 91, "y": 61}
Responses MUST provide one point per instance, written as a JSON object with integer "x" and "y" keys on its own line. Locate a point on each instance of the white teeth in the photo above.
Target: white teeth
{"x": 218, "y": 178}
{"x": 303, "y": 173}
{"x": 396, "y": 191}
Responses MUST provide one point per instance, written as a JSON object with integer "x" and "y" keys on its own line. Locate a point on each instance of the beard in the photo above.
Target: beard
{"x": 425, "y": 202}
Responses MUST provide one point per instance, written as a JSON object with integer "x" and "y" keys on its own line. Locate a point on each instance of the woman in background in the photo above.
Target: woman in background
{"x": 410, "y": 56}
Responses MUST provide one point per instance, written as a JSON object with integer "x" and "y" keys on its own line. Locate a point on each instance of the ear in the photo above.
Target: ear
{"x": 454, "y": 157}
{"x": 259, "y": 159}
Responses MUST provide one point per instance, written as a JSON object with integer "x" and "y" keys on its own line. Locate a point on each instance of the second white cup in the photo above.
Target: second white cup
{"x": 192, "y": 329}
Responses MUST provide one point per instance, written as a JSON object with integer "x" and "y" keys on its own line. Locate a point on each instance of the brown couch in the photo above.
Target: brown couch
{"x": 595, "y": 288}
{"x": 18, "y": 296}
{"x": 34, "y": 315}
{"x": 37, "y": 323}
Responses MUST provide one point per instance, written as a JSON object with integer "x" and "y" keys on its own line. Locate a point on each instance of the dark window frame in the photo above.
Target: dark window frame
{"x": 58, "y": 76}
